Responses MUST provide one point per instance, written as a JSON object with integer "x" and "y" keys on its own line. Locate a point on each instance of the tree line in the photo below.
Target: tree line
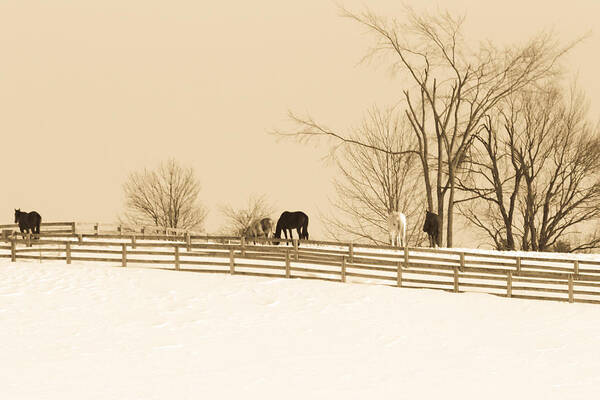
{"x": 493, "y": 134}
{"x": 490, "y": 133}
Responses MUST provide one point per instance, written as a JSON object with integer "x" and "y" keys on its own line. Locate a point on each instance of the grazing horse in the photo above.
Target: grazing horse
{"x": 397, "y": 228}
{"x": 432, "y": 228}
{"x": 260, "y": 228}
{"x": 292, "y": 220}
{"x": 267, "y": 225}
{"x": 29, "y": 222}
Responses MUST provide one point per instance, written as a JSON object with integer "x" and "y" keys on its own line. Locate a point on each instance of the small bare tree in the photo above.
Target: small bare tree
{"x": 374, "y": 183}
{"x": 166, "y": 197}
{"x": 238, "y": 221}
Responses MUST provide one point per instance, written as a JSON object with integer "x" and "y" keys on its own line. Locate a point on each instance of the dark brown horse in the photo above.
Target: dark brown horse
{"x": 29, "y": 222}
{"x": 292, "y": 220}
{"x": 432, "y": 228}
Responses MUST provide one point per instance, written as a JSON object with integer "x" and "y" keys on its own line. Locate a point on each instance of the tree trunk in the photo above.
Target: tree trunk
{"x": 450, "y": 214}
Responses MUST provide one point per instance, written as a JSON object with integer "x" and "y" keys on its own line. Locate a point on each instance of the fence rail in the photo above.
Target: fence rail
{"x": 527, "y": 277}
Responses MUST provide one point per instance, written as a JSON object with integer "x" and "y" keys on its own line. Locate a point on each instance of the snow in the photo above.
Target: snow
{"x": 91, "y": 331}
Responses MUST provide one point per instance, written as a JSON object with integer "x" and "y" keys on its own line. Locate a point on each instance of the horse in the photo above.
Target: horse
{"x": 259, "y": 228}
{"x": 29, "y": 222}
{"x": 432, "y": 228}
{"x": 291, "y": 220}
{"x": 266, "y": 225}
{"x": 397, "y": 228}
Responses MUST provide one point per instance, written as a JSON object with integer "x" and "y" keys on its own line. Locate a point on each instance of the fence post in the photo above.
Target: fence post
{"x": 231, "y": 262}
{"x": 143, "y": 231}
{"x": 96, "y": 228}
{"x": 124, "y": 255}
{"x": 176, "y": 257}
{"x": 295, "y": 242}
{"x": 576, "y": 267}
{"x": 343, "y": 278}
{"x": 133, "y": 242}
{"x": 120, "y": 230}
{"x": 518, "y": 265}
{"x": 68, "y": 251}
{"x": 571, "y": 298}
{"x": 28, "y": 239}
{"x": 462, "y": 262}
{"x": 288, "y": 271}
{"x": 243, "y": 244}
{"x": 508, "y": 284}
{"x": 80, "y": 237}
{"x": 399, "y": 275}
{"x": 351, "y": 252}
{"x": 455, "y": 279}
{"x": 406, "y": 257}
{"x": 13, "y": 250}
{"x": 188, "y": 241}
{"x": 73, "y": 228}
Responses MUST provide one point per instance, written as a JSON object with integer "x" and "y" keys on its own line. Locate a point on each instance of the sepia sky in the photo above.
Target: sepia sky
{"x": 93, "y": 90}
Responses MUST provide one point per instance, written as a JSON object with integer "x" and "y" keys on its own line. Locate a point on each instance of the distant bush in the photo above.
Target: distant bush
{"x": 502, "y": 245}
{"x": 562, "y": 246}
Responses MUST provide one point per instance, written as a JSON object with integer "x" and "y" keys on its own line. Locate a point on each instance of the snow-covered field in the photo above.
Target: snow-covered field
{"x": 86, "y": 331}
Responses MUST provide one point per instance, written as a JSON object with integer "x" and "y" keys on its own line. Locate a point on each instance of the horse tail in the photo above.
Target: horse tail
{"x": 305, "y": 228}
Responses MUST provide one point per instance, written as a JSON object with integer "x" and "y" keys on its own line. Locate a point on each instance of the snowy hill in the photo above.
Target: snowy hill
{"x": 84, "y": 331}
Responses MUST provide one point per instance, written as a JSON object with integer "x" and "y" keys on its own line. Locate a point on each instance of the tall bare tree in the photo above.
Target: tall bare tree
{"x": 374, "y": 183}
{"x": 449, "y": 88}
{"x": 238, "y": 220}
{"x": 165, "y": 197}
{"x": 536, "y": 172}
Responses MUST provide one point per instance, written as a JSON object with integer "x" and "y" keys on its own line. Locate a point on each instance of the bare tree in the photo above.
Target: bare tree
{"x": 374, "y": 183}
{"x": 166, "y": 197}
{"x": 238, "y": 221}
{"x": 541, "y": 152}
{"x": 451, "y": 87}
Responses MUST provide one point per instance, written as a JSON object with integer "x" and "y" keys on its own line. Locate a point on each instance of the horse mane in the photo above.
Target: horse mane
{"x": 278, "y": 228}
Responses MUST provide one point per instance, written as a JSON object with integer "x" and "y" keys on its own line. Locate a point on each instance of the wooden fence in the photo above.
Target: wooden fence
{"x": 56, "y": 229}
{"x": 542, "y": 278}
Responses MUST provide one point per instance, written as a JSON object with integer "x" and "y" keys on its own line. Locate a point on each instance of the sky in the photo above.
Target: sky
{"x": 92, "y": 91}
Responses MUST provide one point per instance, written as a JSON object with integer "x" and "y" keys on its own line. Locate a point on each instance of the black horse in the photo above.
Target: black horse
{"x": 292, "y": 220}
{"x": 29, "y": 222}
{"x": 432, "y": 228}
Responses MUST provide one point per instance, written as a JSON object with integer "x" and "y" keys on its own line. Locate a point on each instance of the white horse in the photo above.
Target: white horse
{"x": 267, "y": 227}
{"x": 260, "y": 228}
{"x": 397, "y": 228}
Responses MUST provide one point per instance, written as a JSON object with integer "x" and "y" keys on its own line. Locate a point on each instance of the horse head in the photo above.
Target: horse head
{"x": 276, "y": 235}
{"x": 17, "y": 214}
